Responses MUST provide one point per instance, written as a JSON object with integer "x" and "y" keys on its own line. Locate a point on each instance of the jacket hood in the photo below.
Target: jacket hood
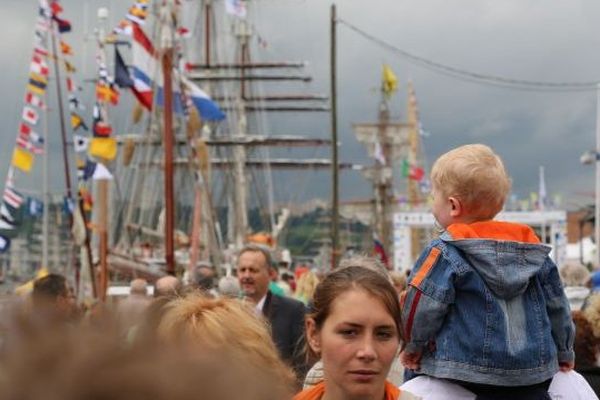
{"x": 506, "y": 255}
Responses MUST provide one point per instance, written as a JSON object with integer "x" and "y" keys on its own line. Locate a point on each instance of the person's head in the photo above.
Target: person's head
{"x": 398, "y": 280}
{"x": 58, "y": 362}
{"x": 592, "y": 313}
{"x": 52, "y": 291}
{"x": 229, "y": 287}
{"x": 167, "y": 286}
{"x": 354, "y": 327}
{"x": 255, "y": 271}
{"x": 203, "y": 276}
{"x": 469, "y": 184}
{"x": 574, "y": 274}
{"x": 306, "y": 285}
{"x": 137, "y": 287}
{"x": 586, "y": 344}
{"x": 229, "y": 328}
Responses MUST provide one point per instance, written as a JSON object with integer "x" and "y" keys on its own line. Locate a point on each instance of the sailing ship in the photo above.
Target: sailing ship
{"x": 215, "y": 162}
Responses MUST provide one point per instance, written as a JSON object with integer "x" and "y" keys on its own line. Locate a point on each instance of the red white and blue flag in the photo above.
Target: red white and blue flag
{"x": 146, "y": 67}
{"x": 207, "y": 108}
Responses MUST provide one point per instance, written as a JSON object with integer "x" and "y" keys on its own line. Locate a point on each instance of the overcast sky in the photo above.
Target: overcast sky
{"x": 538, "y": 40}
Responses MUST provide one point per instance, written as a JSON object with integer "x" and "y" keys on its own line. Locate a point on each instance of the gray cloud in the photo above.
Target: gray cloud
{"x": 525, "y": 39}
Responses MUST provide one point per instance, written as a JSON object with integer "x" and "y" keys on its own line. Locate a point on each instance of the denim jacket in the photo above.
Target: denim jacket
{"x": 485, "y": 304}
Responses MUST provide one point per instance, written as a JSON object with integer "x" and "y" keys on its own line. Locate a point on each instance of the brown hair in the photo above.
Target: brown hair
{"x": 592, "y": 313}
{"x": 586, "y": 344}
{"x": 355, "y": 275}
{"x": 475, "y": 175}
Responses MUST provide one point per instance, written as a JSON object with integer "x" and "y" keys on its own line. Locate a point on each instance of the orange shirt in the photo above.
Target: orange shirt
{"x": 316, "y": 392}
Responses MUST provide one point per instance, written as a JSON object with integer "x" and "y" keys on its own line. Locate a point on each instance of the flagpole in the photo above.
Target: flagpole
{"x": 63, "y": 131}
{"x": 45, "y": 191}
{"x": 54, "y": 31}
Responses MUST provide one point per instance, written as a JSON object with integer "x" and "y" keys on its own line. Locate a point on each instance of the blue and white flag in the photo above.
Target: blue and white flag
{"x": 4, "y": 244}
{"x": 236, "y": 7}
{"x": 6, "y": 225}
{"x": 208, "y": 109}
{"x": 6, "y": 214}
{"x": 68, "y": 205}
{"x": 35, "y": 207}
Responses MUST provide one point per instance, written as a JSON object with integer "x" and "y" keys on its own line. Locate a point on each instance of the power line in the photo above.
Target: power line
{"x": 475, "y": 77}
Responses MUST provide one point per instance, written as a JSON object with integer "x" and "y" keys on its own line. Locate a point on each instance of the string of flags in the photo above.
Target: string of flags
{"x": 29, "y": 143}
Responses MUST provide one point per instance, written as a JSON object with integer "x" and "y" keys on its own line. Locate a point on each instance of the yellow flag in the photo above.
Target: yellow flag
{"x": 22, "y": 159}
{"x": 27, "y": 287}
{"x": 389, "y": 81}
{"x": 105, "y": 148}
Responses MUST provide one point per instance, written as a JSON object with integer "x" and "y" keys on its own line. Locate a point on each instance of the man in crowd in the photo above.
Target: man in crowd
{"x": 255, "y": 270}
{"x": 52, "y": 295}
{"x": 167, "y": 286}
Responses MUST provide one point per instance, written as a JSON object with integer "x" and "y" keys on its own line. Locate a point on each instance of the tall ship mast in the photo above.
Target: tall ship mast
{"x": 395, "y": 149}
{"x": 218, "y": 163}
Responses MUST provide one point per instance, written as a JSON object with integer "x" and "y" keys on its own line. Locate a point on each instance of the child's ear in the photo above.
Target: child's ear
{"x": 456, "y": 208}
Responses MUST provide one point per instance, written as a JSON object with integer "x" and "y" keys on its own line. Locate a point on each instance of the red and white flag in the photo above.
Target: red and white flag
{"x": 12, "y": 198}
{"x": 39, "y": 66}
{"x": 24, "y": 130}
{"x": 34, "y": 100}
{"x": 30, "y": 115}
{"x": 27, "y": 145}
{"x": 40, "y": 51}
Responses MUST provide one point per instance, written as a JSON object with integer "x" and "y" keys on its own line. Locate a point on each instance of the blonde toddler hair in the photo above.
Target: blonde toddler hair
{"x": 476, "y": 176}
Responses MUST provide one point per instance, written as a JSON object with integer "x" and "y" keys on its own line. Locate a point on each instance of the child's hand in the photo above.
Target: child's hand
{"x": 411, "y": 360}
{"x": 566, "y": 366}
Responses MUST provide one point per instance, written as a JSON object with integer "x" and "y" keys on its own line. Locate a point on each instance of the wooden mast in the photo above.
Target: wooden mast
{"x": 335, "y": 250}
{"x": 167, "y": 65}
{"x": 63, "y": 133}
{"x": 382, "y": 179}
{"x": 414, "y": 197}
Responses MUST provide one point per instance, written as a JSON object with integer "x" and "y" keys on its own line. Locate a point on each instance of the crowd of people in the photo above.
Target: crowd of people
{"x": 484, "y": 314}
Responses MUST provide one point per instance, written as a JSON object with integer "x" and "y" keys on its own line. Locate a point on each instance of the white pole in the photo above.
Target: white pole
{"x": 597, "y": 204}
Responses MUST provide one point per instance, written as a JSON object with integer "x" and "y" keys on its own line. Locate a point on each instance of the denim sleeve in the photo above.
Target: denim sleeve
{"x": 559, "y": 312}
{"x": 426, "y": 301}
